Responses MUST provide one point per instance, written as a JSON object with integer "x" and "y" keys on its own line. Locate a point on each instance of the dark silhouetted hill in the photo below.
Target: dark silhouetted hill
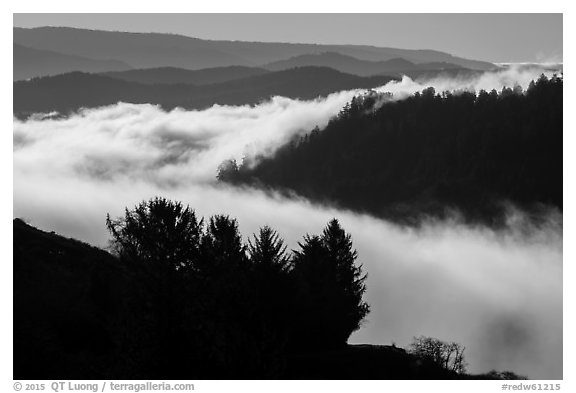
{"x": 356, "y": 66}
{"x": 65, "y": 306}
{"x": 150, "y": 50}
{"x": 69, "y": 92}
{"x": 29, "y": 63}
{"x": 81, "y": 313}
{"x": 429, "y": 154}
{"x": 171, "y": 75}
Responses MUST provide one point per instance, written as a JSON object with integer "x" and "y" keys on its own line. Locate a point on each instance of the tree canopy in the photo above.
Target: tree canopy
{"x": 225, "y": 298}
{"x": 158, "y": 231}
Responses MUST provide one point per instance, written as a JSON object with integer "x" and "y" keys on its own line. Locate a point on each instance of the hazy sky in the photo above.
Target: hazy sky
{"x": 491, "y": 37}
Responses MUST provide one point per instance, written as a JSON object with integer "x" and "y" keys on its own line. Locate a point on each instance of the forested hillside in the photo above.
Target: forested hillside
{"x": 70, "y": 92}
{"x": 172, "y": 75}
{"x": 431, "y": 154}
{"x": 352, "y": 65}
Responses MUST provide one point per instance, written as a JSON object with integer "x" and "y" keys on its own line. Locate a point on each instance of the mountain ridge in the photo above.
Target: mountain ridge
{"x": 174, "y": 75}
{"x": 148, "y": 50}
{"x": 30, "y": 63}
{"x": 352, "y": 65}
{"x": 69, "y": 92}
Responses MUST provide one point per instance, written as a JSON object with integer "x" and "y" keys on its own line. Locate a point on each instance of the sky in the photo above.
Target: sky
{"x": 489, "y": 37}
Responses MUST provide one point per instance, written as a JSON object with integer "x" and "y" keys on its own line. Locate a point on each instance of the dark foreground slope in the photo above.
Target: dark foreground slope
{"x": 80, "y": 313}
{"x": 428, "y": 154}
{"x": 70, "y": 92}
{"x": 66, "y": 307}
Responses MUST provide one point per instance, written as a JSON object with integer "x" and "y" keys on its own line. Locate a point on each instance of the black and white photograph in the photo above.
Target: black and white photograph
{"x": 288, "y": 196}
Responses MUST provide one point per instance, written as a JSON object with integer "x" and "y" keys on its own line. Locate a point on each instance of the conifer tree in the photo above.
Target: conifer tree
{"x": 330, "y": 287}
{"x": 268, "y": 252}
{"x": 221, "y": 245}
{"x": 349, "y": 277}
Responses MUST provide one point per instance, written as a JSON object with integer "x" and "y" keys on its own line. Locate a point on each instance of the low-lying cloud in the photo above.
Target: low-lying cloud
{"x": 498, "y": 293}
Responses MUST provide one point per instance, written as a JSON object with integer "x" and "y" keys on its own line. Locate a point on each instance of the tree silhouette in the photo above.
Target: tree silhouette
{"x": 330, "y": 288}
{"x": 449, "y": 355}
{"x": 162, "y": 238}
{"x": 315, "y": 291}
{"x": 158, "y": 232}
{"x": 270, "y": 279}
{"x": 350, "y": 279}
{"x": 221, "y": 245}
{"x": 268, "y": 252}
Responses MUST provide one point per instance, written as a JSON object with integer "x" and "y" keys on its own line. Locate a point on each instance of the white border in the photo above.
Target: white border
{"x": 247, "y": 6}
